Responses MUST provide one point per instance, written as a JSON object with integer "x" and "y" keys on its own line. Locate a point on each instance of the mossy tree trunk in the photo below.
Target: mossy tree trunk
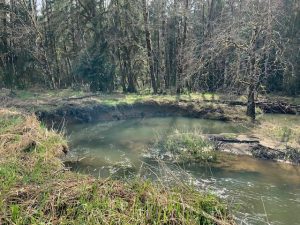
{"x": 251, "y": 102}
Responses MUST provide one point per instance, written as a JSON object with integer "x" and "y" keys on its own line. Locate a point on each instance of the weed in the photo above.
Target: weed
{"x": 188, "y": 147}
{"x": 35, "y": 187}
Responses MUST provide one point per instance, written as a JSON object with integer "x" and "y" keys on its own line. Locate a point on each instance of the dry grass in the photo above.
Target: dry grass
{"x": 21, "y": 134}
{"x": 35, "y": 187}
{"x": 278, "y": 135}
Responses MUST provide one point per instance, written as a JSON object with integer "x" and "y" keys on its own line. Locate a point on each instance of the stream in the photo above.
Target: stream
{"x": 260, "y": 192}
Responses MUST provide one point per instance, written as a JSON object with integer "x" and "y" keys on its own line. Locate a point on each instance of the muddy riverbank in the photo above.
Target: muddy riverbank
{"x": 146, "y": 109}
{"x": 60, "y": 110}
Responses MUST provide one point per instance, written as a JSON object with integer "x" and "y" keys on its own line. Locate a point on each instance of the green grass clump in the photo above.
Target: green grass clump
{"x": 9, "y": 121}
{"x": 36, "y": 188}
{"x": 188, "y": 147}
{"x": 28, "y": 150}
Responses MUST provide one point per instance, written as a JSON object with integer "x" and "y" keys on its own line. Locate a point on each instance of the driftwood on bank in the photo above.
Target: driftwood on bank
{"x": 79, "y": 98}
{"x": 245, "y": 140}
{"x": 265, "y": 106}
{"x": 246, "y": 145}
{"x": 279, "y": 107}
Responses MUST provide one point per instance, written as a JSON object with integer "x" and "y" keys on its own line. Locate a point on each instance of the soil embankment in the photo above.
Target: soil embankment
{"x": 100, "y": 112}
{"x": 90, "y": 108}
{"x": 95, "y": 111}
{"x": 86, "y": 107}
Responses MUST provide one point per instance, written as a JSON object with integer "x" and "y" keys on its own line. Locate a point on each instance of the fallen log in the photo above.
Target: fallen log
{"x": 220, "y": 138}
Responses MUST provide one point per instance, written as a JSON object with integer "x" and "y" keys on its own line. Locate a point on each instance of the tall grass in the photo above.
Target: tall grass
{"x": 36, "y": 188}
{"x": 281, "y": 133}
{"x": 187, "y": 146}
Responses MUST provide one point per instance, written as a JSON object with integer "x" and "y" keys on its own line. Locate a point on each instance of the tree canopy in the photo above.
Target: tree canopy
{"x": 159, "y": 45}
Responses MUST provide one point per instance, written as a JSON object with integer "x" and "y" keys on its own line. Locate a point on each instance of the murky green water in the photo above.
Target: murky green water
{"x": 262, "y": 192}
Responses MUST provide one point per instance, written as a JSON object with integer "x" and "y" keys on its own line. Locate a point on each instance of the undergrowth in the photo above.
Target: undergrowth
{"x": 36, "y": 188}
{"x": 188, "y": 147}
{"x": 280, "y": 132}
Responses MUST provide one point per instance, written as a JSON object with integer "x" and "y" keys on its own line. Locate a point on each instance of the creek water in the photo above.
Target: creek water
{"x": 260, "y": 192}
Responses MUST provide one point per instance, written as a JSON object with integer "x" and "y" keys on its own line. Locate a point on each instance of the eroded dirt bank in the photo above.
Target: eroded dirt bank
{"x": 91, "y": 108}
{"x": 99, "y": 112}
{"x": 71, "y": 106}
{"x": 88, "y": 111}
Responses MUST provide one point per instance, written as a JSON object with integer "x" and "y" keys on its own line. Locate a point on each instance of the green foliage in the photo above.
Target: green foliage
{"x": 95, "y": 68}
{"x": 188, "y": 147}
{"x": 10, "y": 173}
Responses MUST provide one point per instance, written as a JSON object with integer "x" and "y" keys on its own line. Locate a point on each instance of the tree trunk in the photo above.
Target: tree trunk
{"x": 3, "y": 24}
{"x": 182, "y": 45}
{"x": 130, "y": 76}
{"x": 163, "y": 45}
{"x": 149, "y": 46}
{"x": 3, "y": 31}
{"x": 210, "y": 17}
{"x": 251, "y": 102}
{"x": 174, "y": 50}
{"x": 254, "y": 76}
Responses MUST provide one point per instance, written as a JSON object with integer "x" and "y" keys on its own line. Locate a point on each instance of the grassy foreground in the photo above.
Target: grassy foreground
{"x": 36, "y": 188}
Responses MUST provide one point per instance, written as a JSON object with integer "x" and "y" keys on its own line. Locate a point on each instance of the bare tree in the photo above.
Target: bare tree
{"x": 149, "y": 46}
